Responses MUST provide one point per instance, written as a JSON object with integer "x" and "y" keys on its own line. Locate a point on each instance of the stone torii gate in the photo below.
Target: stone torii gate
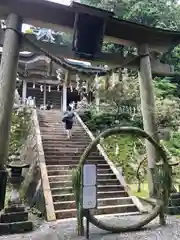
{"x": 89, "y": 27}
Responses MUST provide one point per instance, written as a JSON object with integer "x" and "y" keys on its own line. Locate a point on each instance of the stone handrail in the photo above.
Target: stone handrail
{"x": 114, "y": 169}
{"x": 50, "y": 212}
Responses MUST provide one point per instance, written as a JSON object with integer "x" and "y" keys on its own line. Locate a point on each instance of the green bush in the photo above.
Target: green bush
{"x": 19, "y": 129}
{"x": 127, "y": 156}
{"x": 117, "y": 110}
{"x": 102, "y": 121}
{"x": 173, "y": 144}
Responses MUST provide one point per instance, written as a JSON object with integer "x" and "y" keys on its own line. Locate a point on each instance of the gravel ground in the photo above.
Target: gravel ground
{"x": 66, "y": 229}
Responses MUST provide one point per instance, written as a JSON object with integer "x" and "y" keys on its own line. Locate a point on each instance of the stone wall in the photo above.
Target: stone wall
{"x": 32, "y": 188}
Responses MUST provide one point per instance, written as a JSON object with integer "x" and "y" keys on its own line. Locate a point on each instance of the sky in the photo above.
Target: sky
{"x": 65, "y": 2}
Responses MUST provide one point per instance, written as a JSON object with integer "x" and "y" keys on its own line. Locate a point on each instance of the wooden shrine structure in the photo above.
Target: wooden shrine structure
{"x": 38, "y": 78}
{"x": 89, "y": 27}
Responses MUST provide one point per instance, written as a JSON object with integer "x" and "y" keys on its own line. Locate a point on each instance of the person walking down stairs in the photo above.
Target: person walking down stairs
{"x": 68, "y": 119}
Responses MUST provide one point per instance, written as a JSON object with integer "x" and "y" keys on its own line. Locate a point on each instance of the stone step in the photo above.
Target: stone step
{"x": 69, "y": 171}
{"x": 61, "y": 132}
{"x": 16, "y": 227}
{"x": 15, "y": 209}
{"x": 59, "y": 196}
{"x": 69, "y": 160}
{"x": 173, "y": 210}
{"x": 63, "y": 139}
{"x": 52, "y": 116}
{"x": 53, "y": 122}
{"x": 75, "y": 159}
{"x": 46, "y": 123}
{"x": 111, "y": 209}
{"x": 14, "y": 217}
{"x": 59, "y": 129}
{"x": 70, "y": 153}
{"x": 65, "y": 144}
{"x": 175, "y": 195}
{"x": 57, "y": 143}
{"x": 68, "y": 182}
{"x": 100, "y": 202}
{"x": 73, "y": 156}
{"x": 75, "y": 130}
{"x": 63, "y": 136}
{"x": 100, "y": 188}
{"x": 45, "y": 114}
{"x": 59, "y": 125}
{"x": 55, "y": 118}
{"x": 174, "y": 202}
{"x": 50, "y": 128}
{"x": 100, "y": 177}
{"x": 56, "y": 147}
{"x": 54, "y": 139}
{"x": 72, "y": 166}
{"x": 71, "y": 147}
{"x": 45, "y": 117}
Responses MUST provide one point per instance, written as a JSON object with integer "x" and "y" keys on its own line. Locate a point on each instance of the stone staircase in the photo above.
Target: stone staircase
{"x": 61, "y": 156}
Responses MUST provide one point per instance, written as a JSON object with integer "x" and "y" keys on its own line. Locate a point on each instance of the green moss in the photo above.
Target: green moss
{"x": 8, "y": 194}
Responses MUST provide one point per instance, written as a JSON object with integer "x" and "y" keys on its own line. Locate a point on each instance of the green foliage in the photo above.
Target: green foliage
{"x": 101, "y": 121}
{"x": 124, "y": 156}
{"x": 130, "y": 152}
{"x": 19, "y": 129}
{"x": 124, "y": 92}
{"x": 173, "y": 144}
{"x": 172, "y": 57}
{"x": 163, "y": 14}
{"x": 167, "y": 106}
{"x": 28, "y": 31}
{"x": 154, "y": 13}
{"x": 164, "y": 88}
{"x": 167, "y": 113}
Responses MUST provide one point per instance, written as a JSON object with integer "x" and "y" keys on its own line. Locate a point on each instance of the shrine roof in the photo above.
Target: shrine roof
{"x": 56, "y": 16}
{"x": 40, "y": 61}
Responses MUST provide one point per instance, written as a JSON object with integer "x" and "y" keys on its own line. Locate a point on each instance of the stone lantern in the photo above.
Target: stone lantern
{"x": 14, "y": 219}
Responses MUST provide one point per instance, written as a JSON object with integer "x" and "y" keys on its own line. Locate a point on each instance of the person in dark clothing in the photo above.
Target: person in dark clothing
{"x": 68, "y": 120}
{"x": 48, "y": 107}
